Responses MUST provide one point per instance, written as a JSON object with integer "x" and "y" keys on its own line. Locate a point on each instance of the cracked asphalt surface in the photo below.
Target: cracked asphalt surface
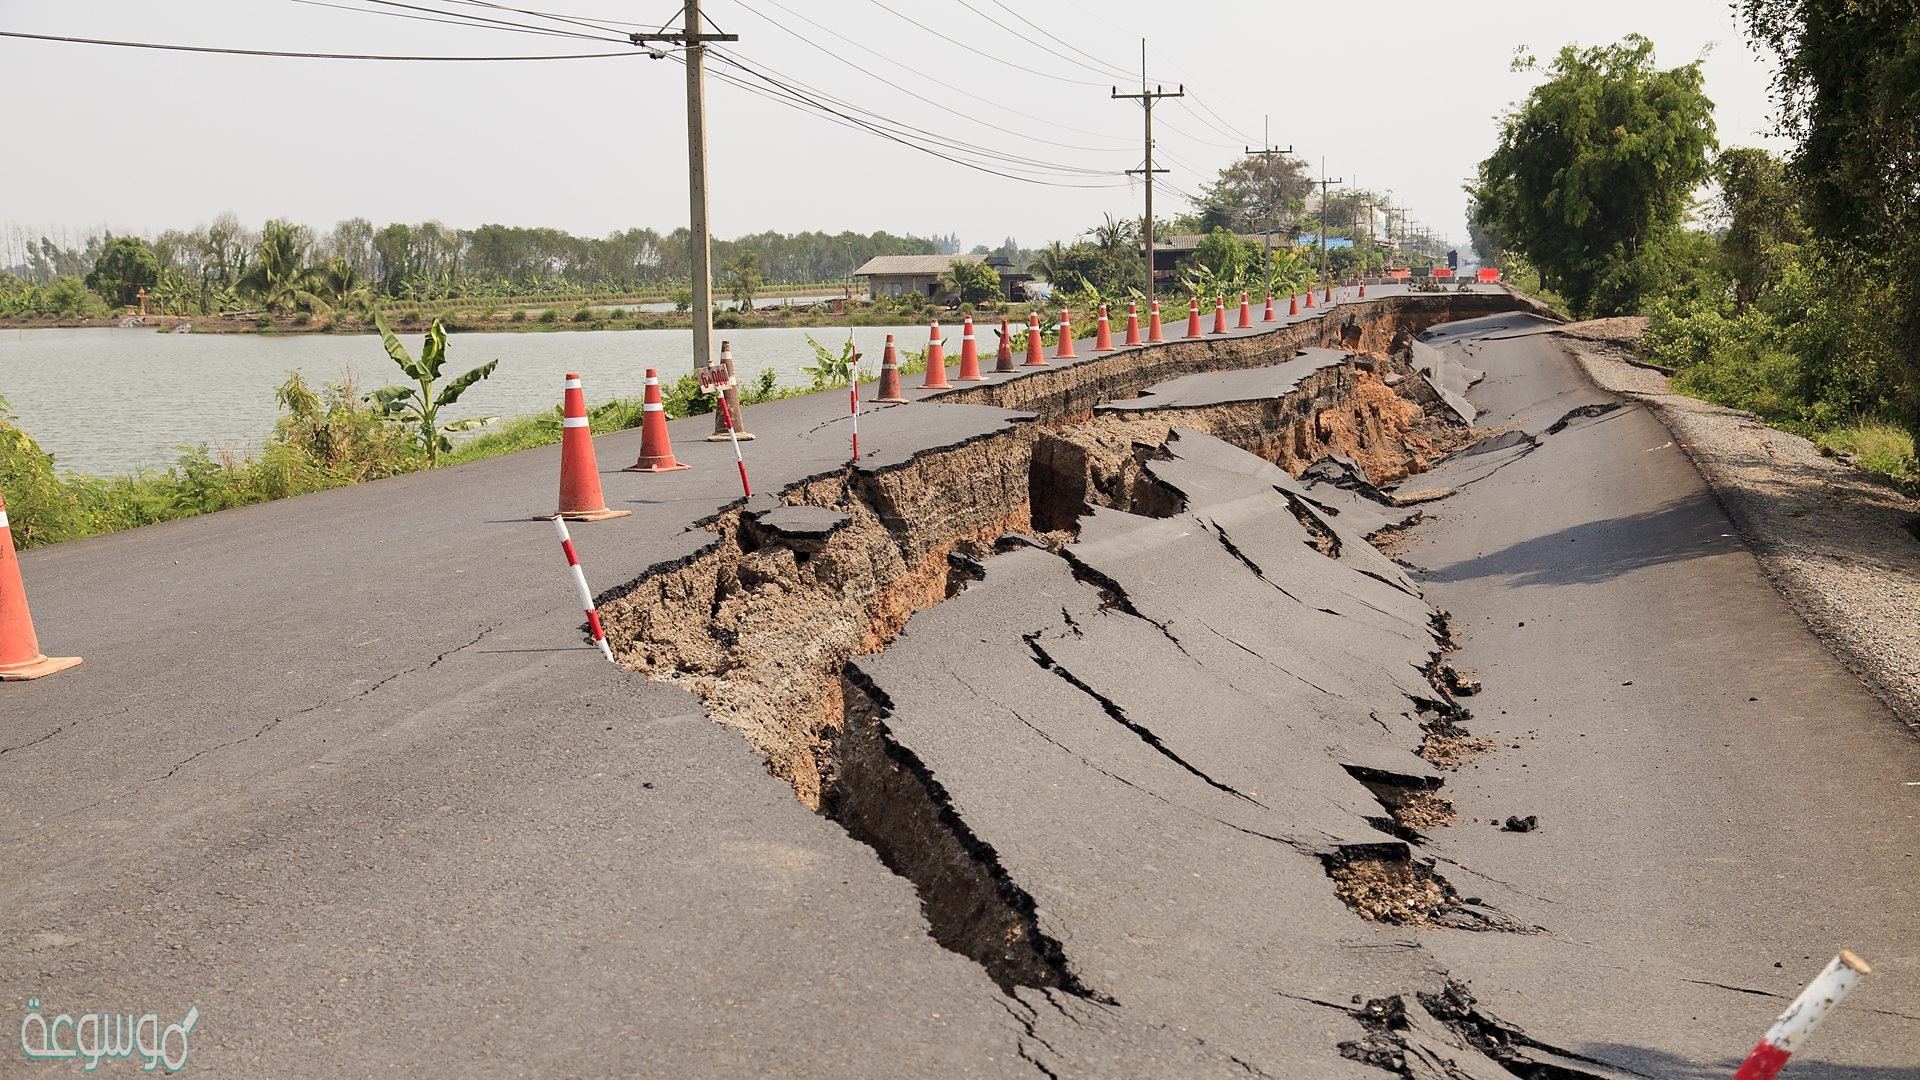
{"x": 343, "y": 777}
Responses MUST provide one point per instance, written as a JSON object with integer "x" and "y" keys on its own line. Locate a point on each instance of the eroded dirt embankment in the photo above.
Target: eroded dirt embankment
{"x": 761, "y": 624}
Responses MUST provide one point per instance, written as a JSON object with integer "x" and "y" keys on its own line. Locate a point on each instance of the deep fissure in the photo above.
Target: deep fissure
{"x": 762, "y": 629}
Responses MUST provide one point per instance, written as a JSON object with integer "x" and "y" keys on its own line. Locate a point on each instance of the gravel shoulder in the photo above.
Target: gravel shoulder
{"x": 1842, "y": 547}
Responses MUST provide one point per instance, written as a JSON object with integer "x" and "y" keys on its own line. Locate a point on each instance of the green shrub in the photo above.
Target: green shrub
{"x": 519, "y": 315}
{"x": 550, "y": 315}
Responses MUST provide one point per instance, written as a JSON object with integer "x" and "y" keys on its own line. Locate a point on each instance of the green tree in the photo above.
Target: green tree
{"x": 342, "y": 287}
{"x": 126, "y": 266}
{"x": 969, "y": 283}
{"x": 420, "y": 404}
{"x": 1256, "y": 194}
{"x": 1761, "y": 213}
{"x": 279, "y": 279}
{"x": 743, "y": 279}
{"x": 1848, "y": 91}
{"x": 1593, "y": 174}
{"x": 1084, "y": 266}
{"x": 1222, "y": 263}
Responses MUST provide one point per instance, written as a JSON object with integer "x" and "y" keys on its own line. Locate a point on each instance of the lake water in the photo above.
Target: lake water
{"x": 108, "y": 401}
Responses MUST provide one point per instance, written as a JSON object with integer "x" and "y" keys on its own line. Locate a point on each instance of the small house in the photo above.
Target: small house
{"x": 898, "y": 275}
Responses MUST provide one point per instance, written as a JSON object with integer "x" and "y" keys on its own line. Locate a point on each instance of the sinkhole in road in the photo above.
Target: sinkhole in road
{"x": 761, "y": 624}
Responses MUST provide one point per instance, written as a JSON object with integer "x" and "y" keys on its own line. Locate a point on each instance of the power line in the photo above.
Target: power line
{"x": 799, "y": 99}
{"x": 915, "y": 71}
{"x": 795, "y": 86}
{"x": 484, "y": 20}
{"x": 977, "y": 52}
{"x": 540, "y": 15}
{"x": 404, "y": 15}
{"x": 305, "y": 55}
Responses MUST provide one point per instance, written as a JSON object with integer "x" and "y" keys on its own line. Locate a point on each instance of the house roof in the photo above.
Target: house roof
{"x": 1191, "y": 241}
{"x": 914, "y": 264}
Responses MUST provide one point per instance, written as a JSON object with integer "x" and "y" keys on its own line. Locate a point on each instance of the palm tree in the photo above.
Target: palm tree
{"x": 342, "y": 288}
{"x": 277, "y": 280}
{"x": 1050, "y": 263}
{"x": 1119, "y": 238}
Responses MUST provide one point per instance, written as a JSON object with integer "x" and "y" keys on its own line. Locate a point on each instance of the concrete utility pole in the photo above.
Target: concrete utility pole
{"x": 1266, "y": 153}
{"x": 695, "y": 40}
{"x": 1146, "y": 98}
{"x": 1324, "y": 184}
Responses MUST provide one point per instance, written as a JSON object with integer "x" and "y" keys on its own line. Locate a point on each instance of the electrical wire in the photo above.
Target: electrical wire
{"x": 798, "y": 99}
{"x": 977, "y": 52}
{"x": 540, "y": 15}
{"x": 402, "y": 15}
{"x": 792, "y": 85}
{"x": 629, "y": 54}
{"x": 1117, "y": 146}
{"x": 483, "y": 20}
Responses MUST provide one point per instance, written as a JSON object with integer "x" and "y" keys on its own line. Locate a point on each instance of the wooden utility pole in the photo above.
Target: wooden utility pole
{"x": 1146, "y": 98}
{"x": 1266, "y": 153}
{"x": 1324, "y": 184}
{"x": 695, "y": 40}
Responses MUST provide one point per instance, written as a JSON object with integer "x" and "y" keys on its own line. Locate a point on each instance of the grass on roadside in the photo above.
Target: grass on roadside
{"x": 1877, "y": 447}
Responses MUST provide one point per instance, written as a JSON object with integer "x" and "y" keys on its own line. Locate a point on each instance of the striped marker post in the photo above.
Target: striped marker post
{"x": 727, "y": 415}
{"x": 853, "y": 406}
{"x": 1787, "y": 1033}
{"x": 580, "y": 586}
{"x": 715, "y": 380}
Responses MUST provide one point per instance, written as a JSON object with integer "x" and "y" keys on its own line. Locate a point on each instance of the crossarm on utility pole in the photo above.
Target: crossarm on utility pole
{"x": 695, "y": 39}
{"x": 1146, "y": 98}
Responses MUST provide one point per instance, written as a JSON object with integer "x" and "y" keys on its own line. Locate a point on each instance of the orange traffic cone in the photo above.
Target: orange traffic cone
{"x": 1133, "y": 323}
{"x": 1363, "y": 289}
{"x": 890, "y": 375}
{"x": 1065, "y": 349}
{"x": 969, "y": 354}
{"x": 1003, "y": 360}
{"x": 1193, "y": 317}
{"x": 1036, "y": 349}
{"x": 1269, "y": 316}
{"x": 1293, "y": 304}
{"x": 20, "y": 655}
{"x": 733, "y": 410}
{"x": 580, "y": 498}
{"x": 1103, "y": 340}
{"x": 1309, "y": 298}
{"x": 1328, "y": 299}
{"x": 936, "y": 360}
{"x": 1246, "y": 313}
{"x": 1219, "y": 314}
{"x": 1153, "y": 325}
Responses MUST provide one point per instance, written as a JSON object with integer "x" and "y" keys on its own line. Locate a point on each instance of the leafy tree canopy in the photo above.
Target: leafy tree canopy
{"x": 1256, "y": 194}
{"x": 1594, "y": 172}
{"x": 126, "y": 266}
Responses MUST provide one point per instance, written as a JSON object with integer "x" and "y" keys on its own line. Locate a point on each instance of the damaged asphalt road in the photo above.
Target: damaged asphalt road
{"x": 1131, "y": 754}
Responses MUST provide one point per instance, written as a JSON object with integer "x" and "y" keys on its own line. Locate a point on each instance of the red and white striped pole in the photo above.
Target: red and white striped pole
{"x": 580, "y": 586}
{"x": 737, "y": 459}
{"x": 1807, "y": 1010}
{"x": 853, "y": 404}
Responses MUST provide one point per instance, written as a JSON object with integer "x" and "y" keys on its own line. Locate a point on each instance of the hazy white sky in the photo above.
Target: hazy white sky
{"x": 1394, "y": 95}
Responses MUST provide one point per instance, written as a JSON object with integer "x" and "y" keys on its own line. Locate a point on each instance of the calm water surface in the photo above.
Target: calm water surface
{"x": 111, "y": 401}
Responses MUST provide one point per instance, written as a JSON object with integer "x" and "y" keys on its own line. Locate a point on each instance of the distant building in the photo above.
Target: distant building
{"x": 898, "y": 275}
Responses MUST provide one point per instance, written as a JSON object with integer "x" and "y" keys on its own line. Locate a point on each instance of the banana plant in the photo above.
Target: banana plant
{"x": 419, "y": 405}
{"x": 1288, "y": 273}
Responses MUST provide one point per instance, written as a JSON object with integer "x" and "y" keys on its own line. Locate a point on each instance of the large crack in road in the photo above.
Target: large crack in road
{"x": 1128, "y": 579}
